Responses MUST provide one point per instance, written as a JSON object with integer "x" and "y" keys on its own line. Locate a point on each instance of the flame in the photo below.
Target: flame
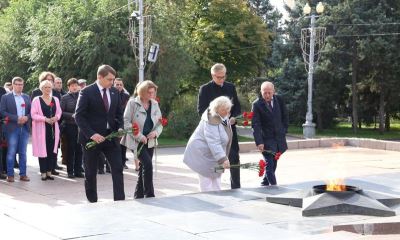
{"x": 336, "y": 185}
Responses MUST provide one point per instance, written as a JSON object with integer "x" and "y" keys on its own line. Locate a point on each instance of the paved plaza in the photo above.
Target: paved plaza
{"x": 59, "y": 209}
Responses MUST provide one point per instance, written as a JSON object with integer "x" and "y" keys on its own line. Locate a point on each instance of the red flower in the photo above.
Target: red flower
{"x": 23, "y": 105}
{"x": 250, "y": 115}
{"x": 245, "y": 114}
{"x": 261, "y": 170}
{"x": 277, "y": 155}
{"x": 246, "y": 123}
{"x": 6, "y": 120}
{"x": 164, "y": 121}
{"x": 135, "y": 128}
{"x": 157, "y": 99}
{"x": 51, "y": 104}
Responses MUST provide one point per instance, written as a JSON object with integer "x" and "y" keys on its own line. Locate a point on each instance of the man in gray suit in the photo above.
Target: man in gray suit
{"x": 16, "y": 106}
{"x": 270, "y": 124}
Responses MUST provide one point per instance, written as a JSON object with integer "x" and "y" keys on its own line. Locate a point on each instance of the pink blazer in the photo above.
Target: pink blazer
{"x": 39, "y": 129}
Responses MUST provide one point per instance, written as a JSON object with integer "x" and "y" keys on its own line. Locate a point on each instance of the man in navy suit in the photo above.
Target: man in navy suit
{"x": 17, "y": 107}
{"x": 270, "y": 124}
{"x": 99, "y": 113}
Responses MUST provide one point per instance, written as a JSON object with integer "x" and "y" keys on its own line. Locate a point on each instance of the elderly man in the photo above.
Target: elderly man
{"x": 270, "y": 124}
{"x": 216, "y": 88}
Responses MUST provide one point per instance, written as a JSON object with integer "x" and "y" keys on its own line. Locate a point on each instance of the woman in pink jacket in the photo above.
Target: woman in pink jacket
{"x": 45, "y": 112}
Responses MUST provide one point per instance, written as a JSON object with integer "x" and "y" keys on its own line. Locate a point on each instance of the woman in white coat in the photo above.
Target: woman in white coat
{"x": 210, "y": 143}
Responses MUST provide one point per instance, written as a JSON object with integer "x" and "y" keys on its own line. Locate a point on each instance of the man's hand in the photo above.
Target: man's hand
{"x": 22, "y": 120}
{"x": 232, "y": 120}
{"x": 97, "y": 138}
{"x": 152, "y": 135}
{"x": 260, "y": 147}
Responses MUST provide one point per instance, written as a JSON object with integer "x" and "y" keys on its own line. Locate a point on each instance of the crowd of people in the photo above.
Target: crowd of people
{"x": 70, "y": 120}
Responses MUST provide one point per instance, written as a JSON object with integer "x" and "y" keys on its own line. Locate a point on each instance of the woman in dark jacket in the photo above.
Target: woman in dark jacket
{"x": 68, "y": 104}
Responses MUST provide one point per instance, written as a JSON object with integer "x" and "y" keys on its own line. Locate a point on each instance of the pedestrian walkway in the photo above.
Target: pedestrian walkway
{"x": 300, "y": 168}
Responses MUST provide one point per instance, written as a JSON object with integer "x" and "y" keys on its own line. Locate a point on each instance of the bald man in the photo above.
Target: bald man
{"x": 270, "y": 124}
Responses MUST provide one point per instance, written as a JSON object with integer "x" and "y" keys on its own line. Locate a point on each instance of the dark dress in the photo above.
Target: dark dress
{"x": 47, "y": 164}
{"x": 144, "y": 187}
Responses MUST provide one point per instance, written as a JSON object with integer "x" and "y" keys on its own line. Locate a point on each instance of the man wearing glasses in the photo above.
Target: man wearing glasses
{"x": 215, "y": 88}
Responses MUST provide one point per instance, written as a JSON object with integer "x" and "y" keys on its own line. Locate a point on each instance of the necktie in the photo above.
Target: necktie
{"x": 269, "y": 106}
{"x": 224, "y": 122}
{"x": 105, "y": 99}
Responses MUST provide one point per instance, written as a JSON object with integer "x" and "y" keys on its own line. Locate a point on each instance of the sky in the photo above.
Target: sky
{"x": 279, "y": 5}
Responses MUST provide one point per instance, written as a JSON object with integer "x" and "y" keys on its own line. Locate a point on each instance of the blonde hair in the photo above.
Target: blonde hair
{"x": 43, "y": 83}
{"x": 218, "y": 103}
{"x": 44, "y": 75}
{"x": 143, "y": 87}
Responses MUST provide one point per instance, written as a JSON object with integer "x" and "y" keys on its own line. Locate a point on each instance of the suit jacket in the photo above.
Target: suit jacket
{"x": 211, "y": 91}
{"x": 91, "y": 116}
{"x": 8, "y": 108}
{"x": 270, "y": 127}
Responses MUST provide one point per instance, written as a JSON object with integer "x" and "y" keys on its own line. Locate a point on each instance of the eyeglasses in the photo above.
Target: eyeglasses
{"x": 16, "y": 84}
{"x": 220, "y": 77}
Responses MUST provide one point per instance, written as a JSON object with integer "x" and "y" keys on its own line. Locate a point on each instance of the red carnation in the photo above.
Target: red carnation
{"x": 135, "y": 128}
{"x": 245, "y": 114}
{"x": 164, "y": 121}
{"x": 250, "y": 115}
{"x": 51, "y": 104}
{"x": 262, "y": 164}
{"x": 23, "y": 105}
{"x": 6, "y": 120}
{"x": 245, "y": 123}
{"x": 277, "y": 155}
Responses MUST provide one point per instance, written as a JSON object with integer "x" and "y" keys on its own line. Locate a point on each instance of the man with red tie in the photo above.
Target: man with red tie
{"x": 99, "y": 113}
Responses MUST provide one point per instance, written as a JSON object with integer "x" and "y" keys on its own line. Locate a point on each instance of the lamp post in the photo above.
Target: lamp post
{"x": 309, "y": 126}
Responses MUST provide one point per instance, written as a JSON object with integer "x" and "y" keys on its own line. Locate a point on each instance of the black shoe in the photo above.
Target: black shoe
{"x": 70, "y": 175}
{"x": 264, "y": 183}
{"x": 50, "y": 178}
{"x": 58, "y": 167}
{"x": 54, "y": 172}
{"x": 108, "y": 170}
{"x": 101, "y": 171}
{"x": 125, "y": 167}
{"x": 79, "y": 175}
{"x": 3, "y": 176}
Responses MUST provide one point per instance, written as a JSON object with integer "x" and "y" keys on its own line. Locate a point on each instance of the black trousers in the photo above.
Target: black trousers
{"x": 144, "y": 186}
{"x": 74, "y": 150}
{"x": 112, "y": 151}
{"x": 47, "y": 164}
{"x": 234, "y": 159}
{"x": 123, "y": 155}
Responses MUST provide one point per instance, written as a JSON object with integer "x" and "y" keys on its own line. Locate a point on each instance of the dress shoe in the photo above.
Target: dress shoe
{"x": 125, "y": 167}
{"x": 24, "y": 178}
{"x": 49, "y": 177}
{"x": 264, "y": 183}
{"x": 108, "y": 170}
{"x": 54, "y": 172}
{"x": 43, "y": 177}
{"x": 58, "y": 167}
{"x": 101, "y": 171}
{"x": 10, "y": 179}
{"x": 70, "y": 175}
{"x": 79, "y": 175}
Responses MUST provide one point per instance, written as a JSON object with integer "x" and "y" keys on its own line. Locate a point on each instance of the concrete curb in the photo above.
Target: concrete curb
{"x": 331, "y": 142}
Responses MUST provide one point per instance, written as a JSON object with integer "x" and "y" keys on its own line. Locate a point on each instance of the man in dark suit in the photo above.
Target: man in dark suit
{"x": 99, "y": 113}
{"x": 216, "y": 88}
{"x": 17, "y": 107}
{"x": 270, "y": 124}
{"x": 3, "y": 148}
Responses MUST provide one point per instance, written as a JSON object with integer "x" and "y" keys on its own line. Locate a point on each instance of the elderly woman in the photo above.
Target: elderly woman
{"x": 209, "y": 145}
{"x": 45, "y": 113}
{"x": 145, "y": 111}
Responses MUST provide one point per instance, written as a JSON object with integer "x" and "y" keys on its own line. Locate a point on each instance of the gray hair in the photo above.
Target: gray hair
{"x": 218, "y": 67}
{"x": 218, "y": 103}
{"x": 45, "y": 82}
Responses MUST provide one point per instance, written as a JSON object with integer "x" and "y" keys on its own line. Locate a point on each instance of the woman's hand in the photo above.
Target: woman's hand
{"x": 143, "y": 140}
{"x": 226, "y": 164}
{"x": 48, "y": 120}
{"x": 152, "y": 135}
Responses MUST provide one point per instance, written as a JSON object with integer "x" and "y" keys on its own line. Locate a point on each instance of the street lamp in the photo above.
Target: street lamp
{"x": 316, "y": 37}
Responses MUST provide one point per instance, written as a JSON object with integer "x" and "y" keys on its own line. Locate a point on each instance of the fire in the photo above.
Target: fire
{"x": 336, "y": 185}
